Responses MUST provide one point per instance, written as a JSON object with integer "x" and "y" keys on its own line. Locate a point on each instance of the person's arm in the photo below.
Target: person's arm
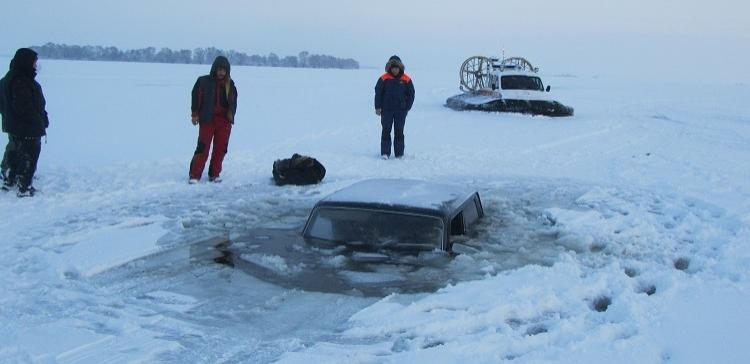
{"x": 45, "y": 116}
{"x": 196, "y": 101}
{"x": 379, "y": 96}
{"x": 409, "y": 95}
{"x": 235, "y": 95}
{"x": 2, "y": 96}
{"x": 23, "y": 101}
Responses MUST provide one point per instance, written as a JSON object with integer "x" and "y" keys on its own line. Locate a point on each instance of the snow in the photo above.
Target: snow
{"x": 617, "y": 235}
{"x": 402, "y": 192}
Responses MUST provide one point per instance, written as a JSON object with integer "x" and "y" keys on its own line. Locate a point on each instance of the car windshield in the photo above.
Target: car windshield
{"x": 374, "y": 230}
{"x": 521, "y": 83}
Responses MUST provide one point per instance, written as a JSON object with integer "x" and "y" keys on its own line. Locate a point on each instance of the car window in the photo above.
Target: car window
{"x": 521, "y": 83}
{"x": 471, "y": 214}
{"x": 376, "y": 229}
{"x": 457, "y": 224}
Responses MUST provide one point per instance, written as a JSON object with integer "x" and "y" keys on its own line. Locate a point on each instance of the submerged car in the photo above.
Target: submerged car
{"x": 394, "y": 214}
{"x": 507, "y": 85}
{"x": 374, "y": 237}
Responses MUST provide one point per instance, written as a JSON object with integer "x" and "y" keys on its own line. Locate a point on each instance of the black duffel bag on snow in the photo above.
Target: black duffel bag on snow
{"x": 298, "y": 170}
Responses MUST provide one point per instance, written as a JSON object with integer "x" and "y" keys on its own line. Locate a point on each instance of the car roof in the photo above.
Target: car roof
{"x": 401, "y": 195}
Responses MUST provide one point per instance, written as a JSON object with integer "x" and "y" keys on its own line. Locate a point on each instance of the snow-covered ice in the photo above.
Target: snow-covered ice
{"x": 617, "y": 235}
{"x": 403, "y": 192}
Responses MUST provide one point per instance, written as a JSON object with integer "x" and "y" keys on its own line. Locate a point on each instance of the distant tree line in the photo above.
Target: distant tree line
{"x": 186, "y": 56}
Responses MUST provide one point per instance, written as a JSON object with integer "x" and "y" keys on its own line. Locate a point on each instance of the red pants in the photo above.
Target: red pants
{"x": 218, "y": 129}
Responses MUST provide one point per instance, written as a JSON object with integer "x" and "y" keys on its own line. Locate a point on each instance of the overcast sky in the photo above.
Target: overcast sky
{"x": 560, "y": 35}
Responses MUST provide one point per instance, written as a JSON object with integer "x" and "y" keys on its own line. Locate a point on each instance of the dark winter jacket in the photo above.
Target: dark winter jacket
{"x": 394, "y": 93}
{"x": 210, "y": 95}
{"x": 23, "y": 104}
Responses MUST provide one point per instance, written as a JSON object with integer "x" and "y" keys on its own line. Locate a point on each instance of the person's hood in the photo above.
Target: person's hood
{"x": 395, "y": 61}
{"x": 23, "y": 62}
{"x": 220, "y": 62}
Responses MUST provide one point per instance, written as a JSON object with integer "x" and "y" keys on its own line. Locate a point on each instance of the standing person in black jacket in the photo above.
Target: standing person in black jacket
{"x": 214, "y": 104}
{"x": 24, "y": 119}
{"x": 394, "y": 97}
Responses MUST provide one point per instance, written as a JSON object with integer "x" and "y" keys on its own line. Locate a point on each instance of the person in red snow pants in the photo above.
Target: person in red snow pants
{"x": 214, "y": 104}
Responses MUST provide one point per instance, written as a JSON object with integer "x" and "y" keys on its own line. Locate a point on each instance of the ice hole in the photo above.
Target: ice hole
{"x": 536, "y": 330}
{"x": 648, "y": 289}
{"x": 601, "y": 303}
{"x": 682, "y": 263}
{"x": 631, "y": 272}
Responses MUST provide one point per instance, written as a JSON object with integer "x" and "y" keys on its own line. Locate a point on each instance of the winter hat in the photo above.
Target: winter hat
{"x": 221, "y": 62}
{"x": 394, "y": 61}
{"x": 23, "y": 61}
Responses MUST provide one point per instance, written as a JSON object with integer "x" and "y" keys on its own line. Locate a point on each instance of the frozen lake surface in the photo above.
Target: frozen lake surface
{"x": 619, "y": 235}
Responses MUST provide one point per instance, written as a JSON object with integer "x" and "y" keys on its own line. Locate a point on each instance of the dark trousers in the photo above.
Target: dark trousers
{"x": 8, "y": 173}
{"x": 218, "y": 131}
{"x": 392, "y": 119}
{"x": 24, "y": 160}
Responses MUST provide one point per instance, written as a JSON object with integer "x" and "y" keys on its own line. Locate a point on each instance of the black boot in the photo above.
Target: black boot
{"x": 26, "y": 191}
{"x": 9, "y": 181}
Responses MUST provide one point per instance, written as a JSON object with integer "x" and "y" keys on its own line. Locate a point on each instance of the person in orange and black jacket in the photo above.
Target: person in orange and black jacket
{"x": 214, "y": 104}
{"x": 394, "y": 97}
{"x": 25, "y": 120}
